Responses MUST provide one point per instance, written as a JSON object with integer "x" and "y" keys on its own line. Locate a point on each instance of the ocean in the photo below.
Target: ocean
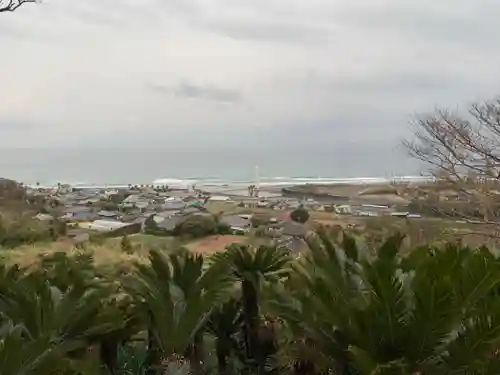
{"x": 277, "y": 166}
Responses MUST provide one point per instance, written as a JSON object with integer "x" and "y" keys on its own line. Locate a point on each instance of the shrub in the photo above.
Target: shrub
{"x": 150, "y": 225}
{"x": 110, "y": 206}
{"x": 261, "y": 232}
{"x": 17, "y": 230}
{"x": 300, "y": 215}
{"x": 223, "y": 228}
{"x": 257, "y": 221}
{"x": 197, "y": 226}
{"x": 126, "y": 245}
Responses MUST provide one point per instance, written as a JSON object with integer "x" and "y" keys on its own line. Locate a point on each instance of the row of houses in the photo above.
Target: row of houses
{"x": 372, "y": 210}
{"x": 83, "y": 209}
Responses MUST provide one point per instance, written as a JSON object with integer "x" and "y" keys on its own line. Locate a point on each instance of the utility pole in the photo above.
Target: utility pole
{"x": 257, "y": 181}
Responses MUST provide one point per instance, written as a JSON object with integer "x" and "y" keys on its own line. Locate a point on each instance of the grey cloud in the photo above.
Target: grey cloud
{"x": 190, "y": 91}
{"x": 415, "y": 80}
{"x": 8, "y": 31}
{"x": 372, "y": 68}
{"x": 248, "y": 21}
{"x": 122, "y": 13}
{"x": 473, "y": 26}
{"x": 269, "y": 30}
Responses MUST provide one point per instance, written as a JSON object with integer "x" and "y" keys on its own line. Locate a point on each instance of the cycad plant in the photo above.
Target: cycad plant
{"x": 50, "y": 326}
{"x": 179, "y": 293}
{"x": 225, "y": 324}
{"x": 433, "y": 312}
{"x": 253, "y": 268}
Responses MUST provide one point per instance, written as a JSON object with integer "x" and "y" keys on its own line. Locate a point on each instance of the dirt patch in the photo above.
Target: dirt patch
{"x": 214, "y": 244}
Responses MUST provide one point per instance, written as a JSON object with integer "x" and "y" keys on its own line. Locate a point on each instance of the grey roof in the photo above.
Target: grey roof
{"x": 169, "y": 213}
{"x": 105, "y": 213}
{"x": 173, "y": 205}
{"x": 180, "y": 194}
{"x": 235, "y": 221}
{"x": 169, "y": 223}
{"x": 83, "y": 216}
{"x": 190, "y": 210}
{"x": 135, "y": 198}
{"x": 250, "y": 201}
{"x": 76, "y": 209}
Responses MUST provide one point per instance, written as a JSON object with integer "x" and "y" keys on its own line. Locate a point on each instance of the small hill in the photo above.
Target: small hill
{"x": 388, "y": 199}
{"x": 11, "y": 192}
{"x": 379, "y": 190}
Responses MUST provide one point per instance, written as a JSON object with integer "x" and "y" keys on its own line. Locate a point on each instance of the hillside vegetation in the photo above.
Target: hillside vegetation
{"x": 346, "y": 307}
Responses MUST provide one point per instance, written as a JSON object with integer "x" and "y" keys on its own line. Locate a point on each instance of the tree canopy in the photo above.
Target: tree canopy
{"x": 462, "y": 151}
{"x": 300, "y": 215}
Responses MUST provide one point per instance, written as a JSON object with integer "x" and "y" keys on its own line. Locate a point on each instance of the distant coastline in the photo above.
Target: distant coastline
{"x": 222, "y": 184}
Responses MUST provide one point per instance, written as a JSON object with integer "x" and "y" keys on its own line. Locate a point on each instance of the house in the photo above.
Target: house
{"x": 219, "y": 198}
{"x": 108, "y": 214}
{"x": 249, "y": 203}
{"x": 76, "y": 209}
{"x": 180, "y": 195}
{"x": 43, "y": 217}
{"x": 169, "y": 213}
{"x": 293, "y": 205}
{"x": 237, "y": 223}
{"x": 174, "y": 205}
{"x": 400, "y": 214}
{"x": 343, "y": 209}
{"x": 169, "y": 224}
{"x": 136, "y": 200}
{"x": 113, "y": 226}
{"x": 262, "y": 204}
{"x": 367, "y": 213}
{"x": 110, "y": 192}
{"x": 190, "y": 210}
{"x": 83, "y": 216}
{"x": 414, "y": 216}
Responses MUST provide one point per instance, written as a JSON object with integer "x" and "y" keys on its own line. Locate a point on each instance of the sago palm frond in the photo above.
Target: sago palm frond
{"x": 21, "y": 356}
{"x": 180, "y": 294}
{"x": 42, "y": 309}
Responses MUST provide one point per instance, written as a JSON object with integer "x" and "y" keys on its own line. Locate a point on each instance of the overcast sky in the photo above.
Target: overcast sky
{"x": 180, "y": 73}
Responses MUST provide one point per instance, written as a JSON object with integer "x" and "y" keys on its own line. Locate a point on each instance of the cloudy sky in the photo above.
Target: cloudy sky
{"x": 179, "y": 73}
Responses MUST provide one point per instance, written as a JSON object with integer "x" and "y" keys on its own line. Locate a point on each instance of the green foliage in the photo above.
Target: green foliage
{"x": 345, "y": 308}
{"x": 432, "y": 312}
{"x": 258, "y": 220}
{"x": 43, "y": 326}
{"x": 300, "y": 215}
{"x": 110, "y": 206}
{"x": 17, "y": 230}
{"x": 150, "y": 225}
{"x": 223, "y": 228}
{"x": 261, "y": 232}
{"x": 179, "y": 293}
{"x": 126, "y": 245}
{"x": 197, "y": 226}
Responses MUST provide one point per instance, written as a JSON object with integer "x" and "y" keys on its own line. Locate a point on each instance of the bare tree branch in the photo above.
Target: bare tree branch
{"x": 12, "y": 5}
{"x": 463, "y": 153}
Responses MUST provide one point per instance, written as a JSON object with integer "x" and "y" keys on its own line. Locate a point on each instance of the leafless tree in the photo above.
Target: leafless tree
{"x": 463, "y": 152}
{"x": 12, "y": 5}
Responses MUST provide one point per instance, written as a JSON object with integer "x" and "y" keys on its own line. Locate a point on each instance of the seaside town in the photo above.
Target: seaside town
{"x": 119, "y": 211}
{"x": 213, "y": 271}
